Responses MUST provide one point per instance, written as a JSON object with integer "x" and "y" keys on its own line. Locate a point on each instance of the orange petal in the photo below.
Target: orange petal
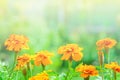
{"x": 77, "y": 56}
{"x": 66, "y": 56}
{"x": 84, "y": 75}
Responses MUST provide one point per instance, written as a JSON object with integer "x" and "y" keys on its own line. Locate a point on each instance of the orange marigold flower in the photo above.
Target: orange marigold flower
{"x": 71, "y": 52}
{"x": 105, "y": 43}
{"x": 114, "y": 66}
{"x": 87, "y": 70}
{"x": 16, "y": 43}
{"x": 42, "y": 58}
{"x": 22, "y": 61}
{"x": 42, "y": 76}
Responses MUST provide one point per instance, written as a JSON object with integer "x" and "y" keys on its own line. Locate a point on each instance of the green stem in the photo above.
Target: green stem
{"x": 70, "y": 65}
{"x": 102, "y": 75}
{"x": 107, "y": 54}
{"x": 43, "y": 67}
{"x": 87, "y": 78}
{"x": 114, "y": 74}
{"x": 107, "y": 58}
{"x": 17, "y": 75}
{"x": 101, "y": 62}
{"x": 69, "y": 68}
{"x": 11, "y": 71}
{"x": 30, "y": 70}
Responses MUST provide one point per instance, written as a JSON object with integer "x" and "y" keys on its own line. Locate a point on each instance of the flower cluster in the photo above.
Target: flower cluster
{"x": 41, "y": 76}
{"x": 114, "y": 66}
{"x": 71, "y": 52}
{"x": 41, "y": 58}
{"x": 16, "y": 43}
{"x": 87, "y": 70}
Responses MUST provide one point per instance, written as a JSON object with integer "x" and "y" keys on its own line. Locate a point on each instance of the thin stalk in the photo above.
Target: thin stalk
{"x": 101, "y": 62}
{"x": 107, "y": 54}
{"x": 43, "y": 67}
{"x": 114, "y": 74}
{"x": 70, "y": 65}
{"x": 14, "y": 62}
{"x": 15, "y": 57}
{"x": 17, "y": 76}
{"x": 30, "y": 70}
{"x": 87, "y": 78}
{"x": 24, "y": 72}
{"x": 69, "y": 68}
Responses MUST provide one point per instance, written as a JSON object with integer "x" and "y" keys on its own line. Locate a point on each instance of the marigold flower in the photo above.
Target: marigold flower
{"x": 114, "y": 66}
{"x": 16, "y": 43}
{"x": 41, "y": 76}
{"x": 87, "y": 70}
{"x": 105, "y": 43}
{"x": 22, "y": 61}
{"x": 71, "y": 52}
{"x": 42, "y": 58}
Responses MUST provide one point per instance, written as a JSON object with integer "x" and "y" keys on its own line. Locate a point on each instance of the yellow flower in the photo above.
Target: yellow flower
{"x": 16, "y": 43}
{"x": 22, "y": 61}
{"x": 114, "y": 66}
{"x": 87, "y": 70}
{"x": 42, "y": 58}
{"x": 42, "y": 76}
{"x": 71, "y": 52}
{"x": 105, "y": 43}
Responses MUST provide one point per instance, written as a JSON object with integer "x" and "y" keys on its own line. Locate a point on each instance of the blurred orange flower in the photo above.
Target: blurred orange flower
{"x": 42, "y": 76}
{"x": 16, "y": 43}
{"x": 42, "y": 58}
{"x": 114, "y": 66}
{"x": 87, "y": 70}
{"x": 22, "y": 61}
{"x": 71, "y": 52}
{"x": 105, "y": 43}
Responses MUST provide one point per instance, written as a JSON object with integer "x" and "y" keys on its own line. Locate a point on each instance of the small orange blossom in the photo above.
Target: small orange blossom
{"x": 42, "y": 58}
{"x": 71, "y": 52}
{"x": 87, "y": 70}
{"x": 22, "y": 61}
{"x": 105, "y": 43}
{"x": 41, "y": 76}
{"x": 16, "y": 43}
{"x": 114, "y": 66}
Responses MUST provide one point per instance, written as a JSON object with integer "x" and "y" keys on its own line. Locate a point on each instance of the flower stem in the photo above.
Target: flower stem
{"x": 43, "y": 67}
{"x": 114, "y": 74}
{"x": 87, "y": 78}
{"x": 15, "y": 57}
{"x": 101, "y": 62}
{"x": 107, "y": 54}
{"x": 69, "y": 68}
{"x": 70, "y": 65}
{"x": 101, "y": 59}
{"x": 30, "y": 69}
{"x": 14, "y": 62}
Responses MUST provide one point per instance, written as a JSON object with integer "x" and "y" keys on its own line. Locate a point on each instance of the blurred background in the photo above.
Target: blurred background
{"x": 50, "y": 24}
